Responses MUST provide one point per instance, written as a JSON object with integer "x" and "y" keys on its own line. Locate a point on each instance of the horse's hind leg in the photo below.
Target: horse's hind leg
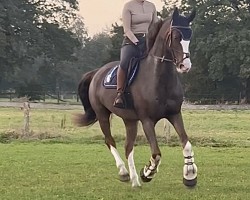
{"x": 131, "y": 133}
{"x": 104, "y": 121}
{"x": 190, "y": 168}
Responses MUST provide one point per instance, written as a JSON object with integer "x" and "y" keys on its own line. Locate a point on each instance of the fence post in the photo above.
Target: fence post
{"x": 166, "y": 129}
{"x": 58, "y": 96}
{"x": 26, "y": 112}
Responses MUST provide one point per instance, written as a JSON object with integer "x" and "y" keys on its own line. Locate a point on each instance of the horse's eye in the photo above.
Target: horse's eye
{"x": 177, "y": 37}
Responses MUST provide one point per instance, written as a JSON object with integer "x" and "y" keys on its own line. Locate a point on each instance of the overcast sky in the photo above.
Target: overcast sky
{"x": 100, "y": 14}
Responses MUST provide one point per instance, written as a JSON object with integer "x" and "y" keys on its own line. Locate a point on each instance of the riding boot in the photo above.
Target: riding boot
{"x": 121, "y": 77}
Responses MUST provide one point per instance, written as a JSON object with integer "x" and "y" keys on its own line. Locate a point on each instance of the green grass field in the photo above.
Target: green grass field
{"x": 60, "y": 161}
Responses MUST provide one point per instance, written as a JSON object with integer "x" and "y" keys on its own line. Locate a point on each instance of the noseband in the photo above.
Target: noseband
{"x": 169, "y": 34}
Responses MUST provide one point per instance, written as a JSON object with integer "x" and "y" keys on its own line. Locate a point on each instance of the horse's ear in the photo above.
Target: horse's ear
{"x": 175, "y": 13}
{"x": 192, "y": 15}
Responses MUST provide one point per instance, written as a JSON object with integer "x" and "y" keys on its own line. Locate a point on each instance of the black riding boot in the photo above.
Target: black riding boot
{"x": 119, "y": 100}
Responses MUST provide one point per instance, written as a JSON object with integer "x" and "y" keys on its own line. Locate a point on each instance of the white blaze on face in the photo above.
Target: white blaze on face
{"x": 186, "y": 62}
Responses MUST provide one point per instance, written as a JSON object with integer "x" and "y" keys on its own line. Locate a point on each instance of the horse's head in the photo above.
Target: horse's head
{"x": 176, "y": 35}
{"x": 180, "y": 36}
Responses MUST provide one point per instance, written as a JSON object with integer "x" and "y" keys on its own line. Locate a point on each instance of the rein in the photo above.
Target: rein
{"x": 162, "y": 59}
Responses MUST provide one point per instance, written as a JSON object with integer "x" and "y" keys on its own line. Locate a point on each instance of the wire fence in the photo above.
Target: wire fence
{"x": 71, "y": 97}
{"x": 46, "y": 97}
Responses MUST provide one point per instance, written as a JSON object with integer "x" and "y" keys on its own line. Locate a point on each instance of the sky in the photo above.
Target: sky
{"x": 100, "y": 14}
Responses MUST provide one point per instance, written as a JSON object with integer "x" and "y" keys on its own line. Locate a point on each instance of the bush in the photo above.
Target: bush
{"x": 33, "y": 90}
{"x": 8, "y": 136}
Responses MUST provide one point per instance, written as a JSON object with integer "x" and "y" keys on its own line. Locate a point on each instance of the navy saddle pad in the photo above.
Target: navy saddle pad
{"x": 110, "y": 79}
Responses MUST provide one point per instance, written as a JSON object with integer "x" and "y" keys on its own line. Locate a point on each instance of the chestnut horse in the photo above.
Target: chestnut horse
{"x": 156, "y": 92}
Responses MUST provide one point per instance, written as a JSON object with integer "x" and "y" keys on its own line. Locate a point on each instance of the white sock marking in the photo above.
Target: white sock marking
{"x": 132, "y": 171}
{"x": 119, "y": 162}
{"x": 154, "y": 162}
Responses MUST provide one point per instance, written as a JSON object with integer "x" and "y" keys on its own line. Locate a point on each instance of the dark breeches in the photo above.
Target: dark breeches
{"x": 130, "y": 50}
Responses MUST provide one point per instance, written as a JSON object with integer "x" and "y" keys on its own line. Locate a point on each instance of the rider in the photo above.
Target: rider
{"x": 137, "y": 15}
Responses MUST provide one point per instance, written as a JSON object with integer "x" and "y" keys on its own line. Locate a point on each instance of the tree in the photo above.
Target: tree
{"x": 116, "y": 41}
{"x": 35, "y": 44}
{"x": 95, "y": 52}
{"x": 219, "y": 47}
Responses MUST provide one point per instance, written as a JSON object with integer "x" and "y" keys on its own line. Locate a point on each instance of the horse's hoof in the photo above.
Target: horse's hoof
{"x": 144, "y": 178}
{"x": 190, "y": 183}
{"x": 124, "y": 178}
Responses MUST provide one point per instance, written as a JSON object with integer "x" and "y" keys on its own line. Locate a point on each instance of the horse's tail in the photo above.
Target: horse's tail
{"x": 89, "y": 117}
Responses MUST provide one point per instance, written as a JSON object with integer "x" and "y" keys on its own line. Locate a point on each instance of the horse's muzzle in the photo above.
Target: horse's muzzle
{"x": 183, "y": 69}
{"x": 185, "y": 66}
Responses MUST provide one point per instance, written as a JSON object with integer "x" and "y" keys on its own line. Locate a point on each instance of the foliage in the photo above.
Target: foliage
{"x": 116, "y": 40}
{"x": 219, "y": 48}
{"x": 46, "y": 41}
{"x": 32, "y": 89}
{"x": 56, "y": 11}
{"x": 93, "y": 54}
{"x": 34, "y": 43}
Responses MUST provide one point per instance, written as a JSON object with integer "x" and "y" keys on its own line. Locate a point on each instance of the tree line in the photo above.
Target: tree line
{"x": 45, "y": 47}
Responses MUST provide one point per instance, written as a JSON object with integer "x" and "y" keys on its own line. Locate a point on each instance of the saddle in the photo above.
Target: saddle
{"x": 110, "y": 81}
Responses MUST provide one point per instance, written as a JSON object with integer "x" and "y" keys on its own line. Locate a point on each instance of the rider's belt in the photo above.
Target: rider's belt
{"x": 140, "y": 35}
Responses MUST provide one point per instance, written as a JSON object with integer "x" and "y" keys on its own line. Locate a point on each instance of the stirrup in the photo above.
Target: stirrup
{"x": 119, "y": 101}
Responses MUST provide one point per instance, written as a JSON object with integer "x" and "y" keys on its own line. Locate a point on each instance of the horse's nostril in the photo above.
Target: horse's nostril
{"x": 183, "y": 68}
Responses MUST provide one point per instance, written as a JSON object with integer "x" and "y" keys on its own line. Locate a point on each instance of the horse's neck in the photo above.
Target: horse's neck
{"x": 161, "y": 49}
{"x": 158, "y": 78}
{"x": 164, "y": 71}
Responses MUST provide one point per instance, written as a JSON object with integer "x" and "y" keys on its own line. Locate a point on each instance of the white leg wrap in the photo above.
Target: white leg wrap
{"x": 190, "y": 168}
{"x": 132, "y": 171}
{"x": 154, "y": 166}
{"x": 119, "y": 162}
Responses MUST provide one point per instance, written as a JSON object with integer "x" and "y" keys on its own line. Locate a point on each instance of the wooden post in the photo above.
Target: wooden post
{"x": 44, "y": 97}
{"x": 58, "y": 97}
{"x": 77, "y": 98}
{"x": 166, "y": 129}
{"x": 26, "y": 113}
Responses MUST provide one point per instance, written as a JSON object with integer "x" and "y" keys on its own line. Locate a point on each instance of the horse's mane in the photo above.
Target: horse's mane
{"x": 153, "y": 31}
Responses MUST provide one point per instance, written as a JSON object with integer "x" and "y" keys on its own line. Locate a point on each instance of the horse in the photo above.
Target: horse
{"x": 156, "y": 93}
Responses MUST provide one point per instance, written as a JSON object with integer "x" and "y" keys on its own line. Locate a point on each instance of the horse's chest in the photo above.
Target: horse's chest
{"x": 169, "y": 105}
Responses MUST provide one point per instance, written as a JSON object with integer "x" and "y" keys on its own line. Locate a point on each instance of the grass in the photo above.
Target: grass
{"x": 80, "y": 171}
{"x": 61, "y": 161}
{"x": 205, "y": 128}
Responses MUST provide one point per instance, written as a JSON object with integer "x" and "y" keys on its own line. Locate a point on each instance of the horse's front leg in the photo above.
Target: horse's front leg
{"x": 190, "y": 168}
{"x": 148, "y": 172}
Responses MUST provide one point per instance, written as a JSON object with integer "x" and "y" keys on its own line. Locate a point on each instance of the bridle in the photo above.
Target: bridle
{"x": 169, "y": 39}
